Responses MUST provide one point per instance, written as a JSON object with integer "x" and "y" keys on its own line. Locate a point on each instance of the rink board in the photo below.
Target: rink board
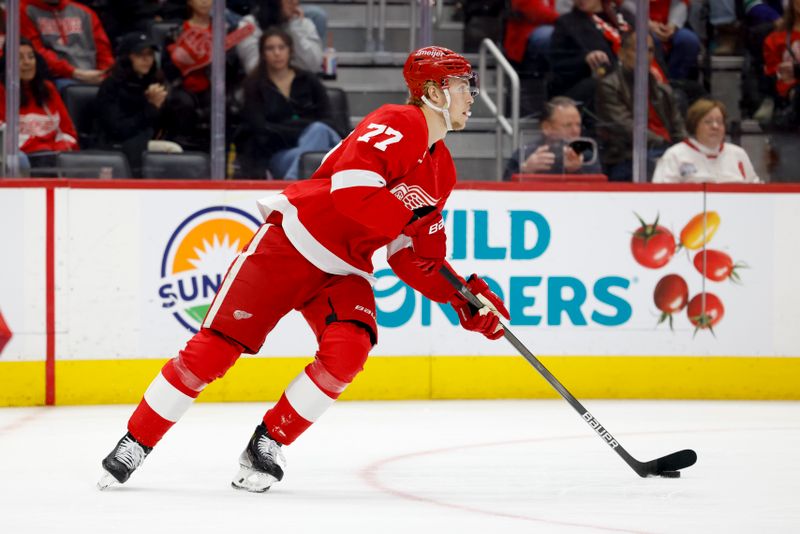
{"x": 101, "y": 281}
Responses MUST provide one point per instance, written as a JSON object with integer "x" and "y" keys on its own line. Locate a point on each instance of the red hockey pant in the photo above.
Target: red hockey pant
{"x": 265, "y": 282}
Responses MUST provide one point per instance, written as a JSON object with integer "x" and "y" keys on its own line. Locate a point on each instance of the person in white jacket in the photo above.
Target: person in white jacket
{"x": 705, "y": 156}
{"x": 307, "y": 47}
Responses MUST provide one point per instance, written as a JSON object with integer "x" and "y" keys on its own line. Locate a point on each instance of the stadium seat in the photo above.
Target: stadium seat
{"x": 93, "y": 164}
{"x": 340, "y": 110}
{"x": 309, "y": 162}
{"x": 79, "y": 101}
{"x": 160, "y": 30}
{"x": 190, "y": 165}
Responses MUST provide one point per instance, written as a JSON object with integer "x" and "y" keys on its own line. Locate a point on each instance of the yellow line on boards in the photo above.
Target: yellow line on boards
{"x": 425, "y": 377}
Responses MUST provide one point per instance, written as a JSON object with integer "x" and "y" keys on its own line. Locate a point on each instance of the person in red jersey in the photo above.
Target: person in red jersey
{"x": 384, "y": 185}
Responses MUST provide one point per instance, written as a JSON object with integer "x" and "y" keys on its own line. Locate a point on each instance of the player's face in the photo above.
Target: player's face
{"x": 461, "y": 101}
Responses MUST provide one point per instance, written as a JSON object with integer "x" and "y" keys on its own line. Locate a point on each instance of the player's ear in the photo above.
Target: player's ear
{"x": 434, "y": 94}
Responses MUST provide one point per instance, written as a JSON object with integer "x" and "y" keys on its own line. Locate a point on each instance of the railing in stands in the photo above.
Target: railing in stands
{"x": 497, "y": 106}
{"x": 417, "y": 21}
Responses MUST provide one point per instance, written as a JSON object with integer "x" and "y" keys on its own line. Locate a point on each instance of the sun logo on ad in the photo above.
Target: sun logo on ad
{"x": 197, "y": 257}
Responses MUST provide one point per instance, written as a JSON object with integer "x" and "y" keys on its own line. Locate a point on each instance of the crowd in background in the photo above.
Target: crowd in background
{"x": 584, "y": 50}
{"x": 150, "y": 62}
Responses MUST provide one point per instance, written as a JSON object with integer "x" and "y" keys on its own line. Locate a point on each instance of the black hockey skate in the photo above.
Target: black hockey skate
{"x": 123, "y": 461}
{"x": 261, "y": 464}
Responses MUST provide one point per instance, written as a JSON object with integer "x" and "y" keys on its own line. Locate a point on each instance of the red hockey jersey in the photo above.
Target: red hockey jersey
{"x": 363, "y": 194}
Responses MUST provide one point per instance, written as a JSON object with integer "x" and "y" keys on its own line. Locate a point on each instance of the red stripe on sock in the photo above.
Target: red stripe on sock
{"x": 283, "y": 423}
{"x": 147, "y": 426}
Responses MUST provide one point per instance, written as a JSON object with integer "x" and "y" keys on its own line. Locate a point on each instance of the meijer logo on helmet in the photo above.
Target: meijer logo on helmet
{"x": 433, "y": 52}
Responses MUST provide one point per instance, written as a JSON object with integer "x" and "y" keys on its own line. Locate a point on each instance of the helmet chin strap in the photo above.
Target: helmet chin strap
{"x": 444, "y": 110}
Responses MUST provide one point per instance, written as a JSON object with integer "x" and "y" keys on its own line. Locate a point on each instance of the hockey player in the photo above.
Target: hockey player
{"x": 383, "y": 186}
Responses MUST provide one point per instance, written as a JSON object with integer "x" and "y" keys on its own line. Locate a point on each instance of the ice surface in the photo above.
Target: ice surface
{"x": 414, "y": 467}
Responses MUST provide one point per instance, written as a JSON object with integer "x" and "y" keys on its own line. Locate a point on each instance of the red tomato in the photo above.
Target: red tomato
{"x": 718, "y": 265}
{"x": 652, "y": 245}
{"x": 670, "y": 296}
{"x": 708, "y": 317}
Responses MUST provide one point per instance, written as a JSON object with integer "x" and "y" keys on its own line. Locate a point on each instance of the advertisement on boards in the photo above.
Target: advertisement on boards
{"x": 631, "y": 273}
{"x": 22, "y": 275}
{"x": 600, "y": 274}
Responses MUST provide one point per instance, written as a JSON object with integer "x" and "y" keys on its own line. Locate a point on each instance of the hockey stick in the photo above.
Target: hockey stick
{"x": 667, "y": 466}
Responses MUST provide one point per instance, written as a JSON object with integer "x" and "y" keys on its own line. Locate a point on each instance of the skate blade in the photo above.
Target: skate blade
{"x": 253, "y": 481}
{"x": 106, "y": 481}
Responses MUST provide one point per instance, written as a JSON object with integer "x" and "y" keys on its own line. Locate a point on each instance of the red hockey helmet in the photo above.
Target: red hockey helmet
{"x": 436, "y": 64}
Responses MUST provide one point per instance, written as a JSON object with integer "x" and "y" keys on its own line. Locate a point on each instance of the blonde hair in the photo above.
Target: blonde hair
{"x": 414, "y": 101}
{"x": 700, "y": 109}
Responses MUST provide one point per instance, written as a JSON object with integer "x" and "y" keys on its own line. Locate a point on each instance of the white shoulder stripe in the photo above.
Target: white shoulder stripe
{"x": 305, "y": 243}
{"x": 356, "y": 178}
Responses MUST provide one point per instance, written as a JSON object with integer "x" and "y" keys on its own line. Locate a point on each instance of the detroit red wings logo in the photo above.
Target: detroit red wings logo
{"x": 413, "y": 196}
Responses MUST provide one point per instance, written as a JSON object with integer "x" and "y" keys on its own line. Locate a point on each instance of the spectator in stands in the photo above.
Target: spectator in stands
{"x": 70, "y": 38}
{"x": 123, "y": 17}
{"x": 44, "y": 124}
{"x": 288, "y": 15}
{"x": 680, "y": 45}
{"x": 762, "y": 17}
{"x": 561, "y": 123}
{"x": 131, "y": 100}
{"x": 584, "y": 47}
{"x": 724, "y": 19}
{"x": 614, "y": 106}
{"x": 705, "y": 156}
{"x": 286, "y": 112}
{"x": 186, "y": 64}
{"x": 782, "y": 63}
{"x": 529, "y": 28}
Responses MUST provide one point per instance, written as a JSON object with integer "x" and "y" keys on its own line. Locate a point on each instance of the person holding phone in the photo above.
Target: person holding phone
{"x": 557, "y": 152}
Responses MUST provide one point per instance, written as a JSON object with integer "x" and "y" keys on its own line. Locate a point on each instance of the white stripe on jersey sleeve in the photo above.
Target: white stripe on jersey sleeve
{"x": 400, "y": 242}
{"x": 356, "y": 178}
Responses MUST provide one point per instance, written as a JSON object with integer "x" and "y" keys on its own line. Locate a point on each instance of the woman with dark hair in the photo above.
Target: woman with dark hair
{"x": 130, "y": 102}
{"x": 288, "y": 15}
{"x": 44, "y": 123}
{"x": 286, "y": 112}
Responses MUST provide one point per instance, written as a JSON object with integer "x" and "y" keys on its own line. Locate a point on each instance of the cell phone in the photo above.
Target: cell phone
{"x": 580, "y": 146}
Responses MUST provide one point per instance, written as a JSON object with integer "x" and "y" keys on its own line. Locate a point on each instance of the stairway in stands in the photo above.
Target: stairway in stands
{"x": 373, "y": 78}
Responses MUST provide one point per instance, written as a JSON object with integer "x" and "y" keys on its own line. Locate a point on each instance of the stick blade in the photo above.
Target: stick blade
{"x": 675, "y": 461}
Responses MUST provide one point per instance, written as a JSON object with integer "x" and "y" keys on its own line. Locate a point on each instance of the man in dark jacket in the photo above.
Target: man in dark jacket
{"x": 614, "y": 107}
{"x": 584, "y": 47}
